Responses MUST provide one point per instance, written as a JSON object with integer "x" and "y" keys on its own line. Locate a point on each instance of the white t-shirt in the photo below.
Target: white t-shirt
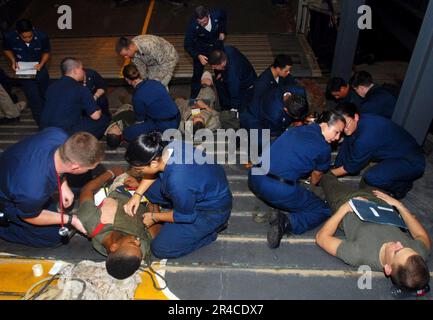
{"x": 209, "y": 26}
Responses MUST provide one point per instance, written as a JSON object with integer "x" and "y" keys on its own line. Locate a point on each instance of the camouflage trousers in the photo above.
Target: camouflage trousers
{"x": 162, "y": 73}
{"x": 9, "y": 109}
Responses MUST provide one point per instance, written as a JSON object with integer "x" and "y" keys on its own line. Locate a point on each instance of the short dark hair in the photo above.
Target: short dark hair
{"x": 347, "y": 109}
{"x": 335, "y": 84}
{"x": 68, "y": 64}
{"x": 361, "y": 78}
{"x": 122, "y": 43}
{"x": 282, "y": 60}
{"x": 217, "y": 57}
{"x": 131, "y": 72}
{"x": 330, "y": 117}
{"x": 201, "y": 11}
{"x": 413, "y": 275}
{"x": 24, "y": 25}
{"x": 297, "y": 107}
{"x": 121, "y": 266}
{"x": 144, "y": 149}
{"x": 113, "y": 140}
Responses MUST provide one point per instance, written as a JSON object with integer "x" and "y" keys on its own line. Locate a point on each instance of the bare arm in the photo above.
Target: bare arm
{"x": 10, "y": 55}
{"x": 48, "y": 218}
{"x": 133, "y": 203}
{"x": 44, "y": 59}
{"x": 339, "y": 172}
{"x": 158, "y": 217}
{"x": 316, "y": 176}
{"x": 416, "y": 229}
{"x": 99, "y": 93}
{"x": 96, "y": 115}
{"x": 45, "y": 218}
{"x": 325, "y": 237}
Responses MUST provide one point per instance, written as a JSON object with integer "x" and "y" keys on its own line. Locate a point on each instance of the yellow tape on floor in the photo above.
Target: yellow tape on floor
{"x": 16, "y": 277}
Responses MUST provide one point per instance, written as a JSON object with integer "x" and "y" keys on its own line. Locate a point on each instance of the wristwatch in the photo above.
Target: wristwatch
{"x": 69, "y": 223}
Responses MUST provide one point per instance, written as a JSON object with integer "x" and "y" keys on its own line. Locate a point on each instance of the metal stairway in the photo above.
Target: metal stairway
{"x": 239, "y": 265}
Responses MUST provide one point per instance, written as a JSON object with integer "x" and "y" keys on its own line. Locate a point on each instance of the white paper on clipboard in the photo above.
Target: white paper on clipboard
{"x": 26, "y": 68}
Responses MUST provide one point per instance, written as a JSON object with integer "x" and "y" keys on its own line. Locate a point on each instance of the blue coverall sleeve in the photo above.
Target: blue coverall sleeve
{"x": 190, "y": 40}
{"x": 87, "y": 101}
{"x": 183, "y": 201}
{"x": 259, "y": 90}
{"x": 28, "y": 207}
{"x": 356, "y": 156}
{"x": 370, "y": 107}
{"x": 234, "y": 86}
{"x": 7, "y": 43}
{"x": 139, "y": 109}
{"x": 323, "y": 162}
{"x": 100, "y": 83}
{"x": 46, "y": 45}
{"x": 223, "y": 21}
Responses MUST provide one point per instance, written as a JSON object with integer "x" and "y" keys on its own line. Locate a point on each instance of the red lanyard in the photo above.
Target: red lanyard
{"x": 60, "y": 201}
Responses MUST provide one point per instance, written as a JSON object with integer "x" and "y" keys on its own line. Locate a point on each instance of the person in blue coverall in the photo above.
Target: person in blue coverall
{"x": 206, "y": 32}
{"x": 28, "y": 44}
{"x": 198, "y": 195}
{"x": 376, "y": 99}
{"x": 235, "y": 75}
{"x": 300, "y": 152}
{"x": 67, "y": 100}
{"x": 154, "y": 109}
{"x": 98, "y": 88}
{"x": 277, "y": 109}
{"x": 340, "y": 91}
{"x": 30, "y": 175}
{"x": 375, "y": 138}
{"x": 278, "y": 74}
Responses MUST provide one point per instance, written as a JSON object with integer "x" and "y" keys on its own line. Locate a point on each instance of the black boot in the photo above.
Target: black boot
{"x": 280, "y": 225}
{"x": 402, "y": 191}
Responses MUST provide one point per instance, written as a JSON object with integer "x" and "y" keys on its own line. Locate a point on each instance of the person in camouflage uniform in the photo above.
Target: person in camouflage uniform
{"x": 200, "y": 113}
{"x": 154, "y": 56}
{"x": 123, "y": 239}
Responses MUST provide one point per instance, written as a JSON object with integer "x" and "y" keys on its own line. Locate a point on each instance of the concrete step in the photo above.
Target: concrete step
{"x": 256, "y": 254}
{"x": 267, "y": 284}
{"x": 247, "y": 202}
{"x": 260, "y": 49}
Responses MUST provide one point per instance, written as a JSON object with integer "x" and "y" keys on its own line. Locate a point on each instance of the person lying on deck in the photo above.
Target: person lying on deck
{"x": 200, "y": 113}
{"x": 123, "y": 239}
{"x": 381, "y": 247}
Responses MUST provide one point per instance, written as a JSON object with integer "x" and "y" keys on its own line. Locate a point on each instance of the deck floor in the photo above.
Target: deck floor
{"x": 239, "y": 262}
